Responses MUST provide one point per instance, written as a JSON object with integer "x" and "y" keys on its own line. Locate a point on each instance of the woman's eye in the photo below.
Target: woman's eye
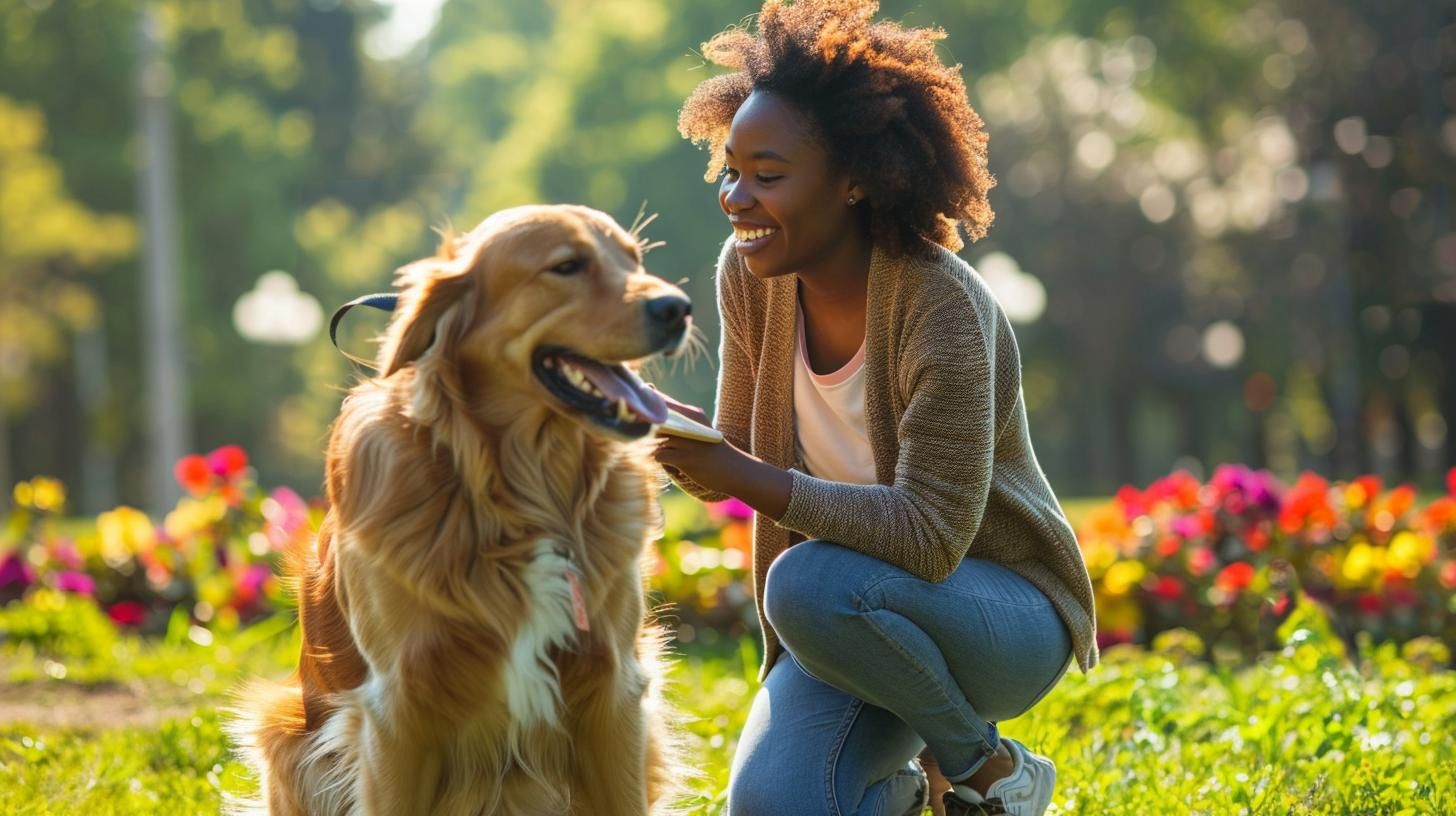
{"x": 730, "y": 174}
{"x": 570, "y": 267}
{"x": 762, "y": 179}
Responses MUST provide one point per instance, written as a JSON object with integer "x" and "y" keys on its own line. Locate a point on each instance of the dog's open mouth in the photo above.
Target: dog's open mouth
{"x": 605, "y": 393}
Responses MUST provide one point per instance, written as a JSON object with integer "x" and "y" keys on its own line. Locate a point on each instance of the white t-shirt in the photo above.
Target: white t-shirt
{"x": 829, "y": 417}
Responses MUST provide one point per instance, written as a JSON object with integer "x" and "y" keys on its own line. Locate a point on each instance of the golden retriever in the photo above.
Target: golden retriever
{"x": 474, "y": 633}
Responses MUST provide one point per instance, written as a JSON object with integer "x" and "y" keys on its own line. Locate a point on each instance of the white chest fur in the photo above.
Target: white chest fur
{"x": 533, "y": 689}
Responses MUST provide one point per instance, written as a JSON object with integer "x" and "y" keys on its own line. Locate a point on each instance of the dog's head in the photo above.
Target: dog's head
{"x": 543, "y": 303}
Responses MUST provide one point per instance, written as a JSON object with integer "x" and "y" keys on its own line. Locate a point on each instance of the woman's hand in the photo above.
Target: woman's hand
{"x": 716, "y": 466}
{"x": 722, "y": 468}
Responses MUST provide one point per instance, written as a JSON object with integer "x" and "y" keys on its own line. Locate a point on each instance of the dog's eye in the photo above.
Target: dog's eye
{"x": 571, "y": 267}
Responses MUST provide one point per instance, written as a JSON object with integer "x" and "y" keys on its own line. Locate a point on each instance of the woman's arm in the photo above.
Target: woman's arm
{"x": 925, "y": 521}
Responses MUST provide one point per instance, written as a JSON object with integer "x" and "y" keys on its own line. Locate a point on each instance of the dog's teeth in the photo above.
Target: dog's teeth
{"x": 622, "y": 413}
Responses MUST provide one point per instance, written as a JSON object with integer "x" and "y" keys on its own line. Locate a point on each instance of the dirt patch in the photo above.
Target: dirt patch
{"x": 67, "y": 705}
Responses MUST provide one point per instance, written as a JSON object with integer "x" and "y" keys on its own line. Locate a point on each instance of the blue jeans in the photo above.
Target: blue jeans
{"x": 879, "y": 665}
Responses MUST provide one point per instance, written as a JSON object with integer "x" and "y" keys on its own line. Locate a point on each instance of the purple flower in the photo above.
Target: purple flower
{"x": 16, "y": 570}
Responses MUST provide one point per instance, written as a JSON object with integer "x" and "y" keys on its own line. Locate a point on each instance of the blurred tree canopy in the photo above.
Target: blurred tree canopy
{"x": 1232, "y": 221}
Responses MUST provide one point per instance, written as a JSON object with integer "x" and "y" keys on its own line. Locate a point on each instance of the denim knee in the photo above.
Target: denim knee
{"x": 809, "y": 598}
{"x": 760, "y": 791}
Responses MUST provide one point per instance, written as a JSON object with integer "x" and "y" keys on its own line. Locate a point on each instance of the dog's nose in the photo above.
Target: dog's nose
{"x": 669, "y": 312}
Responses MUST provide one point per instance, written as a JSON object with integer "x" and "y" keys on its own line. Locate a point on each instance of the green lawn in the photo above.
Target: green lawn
{"x": 99, "y": 724}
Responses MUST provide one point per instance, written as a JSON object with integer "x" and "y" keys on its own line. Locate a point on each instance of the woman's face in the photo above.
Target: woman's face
{"x": 790, "y": 210}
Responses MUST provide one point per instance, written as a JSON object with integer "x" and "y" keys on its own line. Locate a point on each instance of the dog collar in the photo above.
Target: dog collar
{"x": 384, "y": 302}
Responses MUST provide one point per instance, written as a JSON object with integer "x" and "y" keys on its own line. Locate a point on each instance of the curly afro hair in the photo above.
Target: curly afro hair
{"x": 890, "y": 114}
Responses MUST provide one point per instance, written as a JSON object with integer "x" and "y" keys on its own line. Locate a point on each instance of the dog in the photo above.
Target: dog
{"x": 474, "y": 633}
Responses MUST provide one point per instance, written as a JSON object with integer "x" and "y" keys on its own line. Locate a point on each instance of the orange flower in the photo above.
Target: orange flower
{"x": 1440, "y": 514}
{"x": 194, "y": 474}
{"x": 1400, "y": 500}
{"x": 1235, "y": 577}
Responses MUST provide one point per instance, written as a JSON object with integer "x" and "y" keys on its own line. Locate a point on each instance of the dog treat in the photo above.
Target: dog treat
{"x": 679, "y": 425}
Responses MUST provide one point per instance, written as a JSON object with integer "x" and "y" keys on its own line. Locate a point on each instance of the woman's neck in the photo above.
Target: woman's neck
{"x": 839, "y": 282}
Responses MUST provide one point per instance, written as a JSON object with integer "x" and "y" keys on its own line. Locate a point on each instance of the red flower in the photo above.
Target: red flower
{"x": 1282, "y": 604}
{"x": 1167, "y": 587}
{"x": 1168, "y": 546}
{"x": 228, "y": 461}
{"x": 1257, "y": 539}
{"x": 1131, "y": 500}
{"x": 1235, "y": 577}
{"x": 1370, "y": 603}
{"x": 1370, "y": 486}
{"x": 194, "y": 474}
{"x": 1403, "y": 595}
{"x": 127, "y": 613}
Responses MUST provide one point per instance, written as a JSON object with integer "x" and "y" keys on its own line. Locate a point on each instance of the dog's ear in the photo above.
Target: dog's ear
{"x": 435, "y": 304}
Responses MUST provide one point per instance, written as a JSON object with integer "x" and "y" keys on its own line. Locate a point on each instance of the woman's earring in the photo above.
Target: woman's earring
{"x": 851, "y": 201}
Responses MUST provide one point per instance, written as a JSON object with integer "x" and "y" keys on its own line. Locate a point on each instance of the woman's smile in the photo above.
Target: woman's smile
{"x": 752, "y": 237}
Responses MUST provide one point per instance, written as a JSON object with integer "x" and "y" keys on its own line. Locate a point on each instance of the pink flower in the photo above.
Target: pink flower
{"x": 78, "y": 583}
{"x": 286, "y": 514}
{"x": 1451, "y": 481}
{"x": 228, "y": 461}
{"x": 1200, "y": 561}
{"x": 734, "y": 509}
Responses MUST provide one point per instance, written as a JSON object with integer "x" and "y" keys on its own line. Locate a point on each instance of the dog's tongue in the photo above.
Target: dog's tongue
{"x": 617, "y": 383}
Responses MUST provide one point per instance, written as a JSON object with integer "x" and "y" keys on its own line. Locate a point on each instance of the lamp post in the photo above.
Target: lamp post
{"x": 164, "y": 366}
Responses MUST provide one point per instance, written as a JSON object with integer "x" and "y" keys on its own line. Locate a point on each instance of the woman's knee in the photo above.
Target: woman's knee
{"x": 760, "y": 791}
{"x": 812, "y": 596}
{"x": 796, "y": 596}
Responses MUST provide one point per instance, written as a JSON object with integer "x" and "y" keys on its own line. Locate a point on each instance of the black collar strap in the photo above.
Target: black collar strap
{"x": 384, "y": 302}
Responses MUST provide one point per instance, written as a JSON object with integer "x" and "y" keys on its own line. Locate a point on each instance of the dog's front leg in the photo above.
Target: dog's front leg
{"x": 397, "y": 773}
{"x": 610, "y": 741}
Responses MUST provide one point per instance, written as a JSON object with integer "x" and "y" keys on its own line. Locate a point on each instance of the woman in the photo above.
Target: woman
{"x": 869, "y": 393}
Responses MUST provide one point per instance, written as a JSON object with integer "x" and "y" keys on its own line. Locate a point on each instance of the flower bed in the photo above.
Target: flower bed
{"x": 1227, "y": 558}
{"x": 1224, "y": 559}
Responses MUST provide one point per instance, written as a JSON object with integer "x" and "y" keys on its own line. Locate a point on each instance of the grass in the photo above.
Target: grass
{"x": 1303, "y": 731}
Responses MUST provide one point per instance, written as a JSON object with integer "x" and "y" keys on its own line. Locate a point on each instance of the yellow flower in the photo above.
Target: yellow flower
{"x": 1409, "y": 552}
{"x": 1099, "y": 555}
{"x": 124, "y": 532}
{"x": 24, "y": 494}
{"x": 1362, "y": 563}
{"x": 193, "y": 516}
{"x": 49, "y": 495}
{"x": 1122, "y": 577}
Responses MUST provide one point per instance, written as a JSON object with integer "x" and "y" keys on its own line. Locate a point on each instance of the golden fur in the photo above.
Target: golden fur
{"x": 451, "y": 477}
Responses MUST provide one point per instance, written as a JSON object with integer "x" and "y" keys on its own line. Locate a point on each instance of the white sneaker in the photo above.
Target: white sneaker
{"x": 1026, "y": 791}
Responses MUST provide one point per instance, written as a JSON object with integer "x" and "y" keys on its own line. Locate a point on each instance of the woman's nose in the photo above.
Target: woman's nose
{"x": 735, "y": 197}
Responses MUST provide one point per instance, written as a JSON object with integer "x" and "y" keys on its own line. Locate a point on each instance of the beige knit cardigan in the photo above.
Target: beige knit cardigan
{"x": 955, "y": 472}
